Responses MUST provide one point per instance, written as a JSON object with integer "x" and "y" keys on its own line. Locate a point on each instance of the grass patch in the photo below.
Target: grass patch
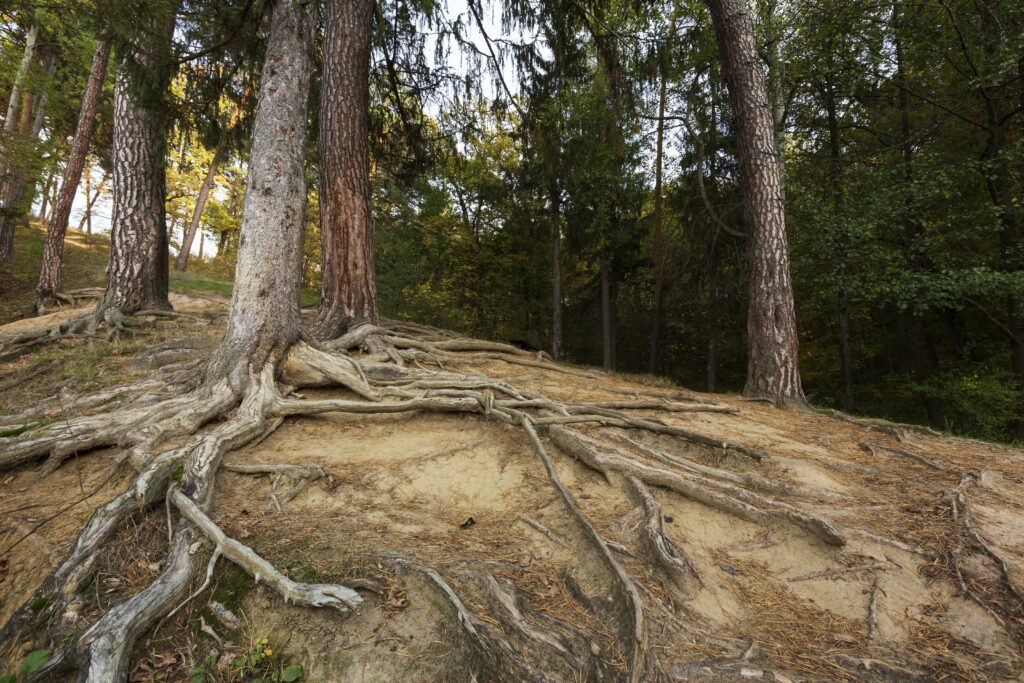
{"x": 84, "y": 265}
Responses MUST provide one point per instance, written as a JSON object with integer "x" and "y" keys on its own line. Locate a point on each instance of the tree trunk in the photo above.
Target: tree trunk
{"x": 85, "y": 222}
{"x": 607, "y": 344}
{"x": 137, "y": 274}
{"x": 44, "y": 202}
{"x": 53, "y": 249}
{"x": 659, "y": 255}
{"x": 712, "y": 318}
{"x": 842, "y": 293}
{"x": 197, "y": 213}
{"x": 264, "y": 319}
{"x": 29, "y": 126}
{"x": 348, "y": 290}
{"x": 773, "y": 365}
{"x": 556, "y": 270}
{"x": 19, "y": 79}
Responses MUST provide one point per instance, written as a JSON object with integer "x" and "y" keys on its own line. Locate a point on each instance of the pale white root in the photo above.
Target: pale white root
{"x": 341, "y": 598}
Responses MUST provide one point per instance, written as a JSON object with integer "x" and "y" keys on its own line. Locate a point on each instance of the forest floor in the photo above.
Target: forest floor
{"x": 927, "y": 586}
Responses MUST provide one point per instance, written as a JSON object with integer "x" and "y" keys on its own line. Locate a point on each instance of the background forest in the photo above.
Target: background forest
{"x": 589, "y": 143}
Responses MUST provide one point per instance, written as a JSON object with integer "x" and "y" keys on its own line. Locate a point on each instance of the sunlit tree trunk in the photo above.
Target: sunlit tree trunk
{"x": 348, "y": 290}
{"x": 773, "y": 365}
{"x": 197, "y": 213}
{"x": 53, "y": 249}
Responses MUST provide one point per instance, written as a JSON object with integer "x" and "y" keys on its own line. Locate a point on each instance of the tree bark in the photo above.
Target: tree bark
{"x": 264, "y": 319}
{"x": 197, "y": 214}
{"x": 53, "y": 249}
{"x": 773, "y": 365}
{"x": 348, "y": 291}
{"x": 659, "y": 248}
{"x": 137, "y": 274}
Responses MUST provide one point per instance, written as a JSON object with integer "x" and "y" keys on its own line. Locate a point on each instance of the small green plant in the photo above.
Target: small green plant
{"x": 262, "y": 662}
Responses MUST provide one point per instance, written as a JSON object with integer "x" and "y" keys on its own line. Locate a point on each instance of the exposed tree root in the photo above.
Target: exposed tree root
{"x": 671, "y": 558}
{"x": 339, "y": 597}
{"x": 962, "y": 513}
{"x": 88, "y": 325}
{"x": 730, "y": 499}
{"x": 928, "y": 462}
{"x": 205, "y": 422}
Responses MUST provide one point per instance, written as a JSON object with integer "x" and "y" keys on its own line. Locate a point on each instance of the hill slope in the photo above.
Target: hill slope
{"x": 847, "y": 552}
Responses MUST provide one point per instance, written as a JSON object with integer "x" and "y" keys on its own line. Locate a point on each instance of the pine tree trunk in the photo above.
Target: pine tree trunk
{"x": 19, "y": 80}
{"x": 556, "y": 270}
{"x": 53, "y": 249}
{"x": 197, "y": 214}
{"x": 843, "y": 293}
{"x": 348, "y": 290}
{"x": 15, "y": 202}
{"x": 773, "y": 365}
{"x": 607, "y": 345}
{"x": 45, "y": 201}
{"x": 137, "y": 274}
{"x": 264, "y": 319}
{"x": 659, "y": 247}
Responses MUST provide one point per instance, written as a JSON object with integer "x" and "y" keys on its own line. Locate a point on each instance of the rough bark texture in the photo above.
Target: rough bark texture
{"x": 197, "y": 214}
{"x": 53, "y": 249}
{"x": 773, "y": 369}
{"x": 137, "y": 274}
{"x": 264, "y": 319}
{"x": 348, "y": 291}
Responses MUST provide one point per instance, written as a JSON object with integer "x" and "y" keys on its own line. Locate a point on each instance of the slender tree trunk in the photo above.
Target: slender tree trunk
{"x": 659, "y": 247}
{"x": 264, "y": 319}
{"x": 44, "y": 202}
{"x": 137, "y": 275}
{"x": 197, "y": 213}
{"x": 85, "y": 222}
{"x": 842, "y": 293}
{"x": 29, "y": 126}
{"x": 19, "y": 79}
{"x": 773, "y": 364}
{"x": 348, "y": 290}
{"x": 556, "y": 270}
{"x": 53, "y": 249}
{"x": 202, "y": 240}
{"x": 607, "y": 344}
{"x": 712, "y": 321}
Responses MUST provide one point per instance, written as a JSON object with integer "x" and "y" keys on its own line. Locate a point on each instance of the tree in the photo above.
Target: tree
{"x": 348, "y": 290}
{"x": 773, "y": 364}
{"x": 53, "y": 249}
{"x": 19, "y": 136}
{"x": 137, "y": 276}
